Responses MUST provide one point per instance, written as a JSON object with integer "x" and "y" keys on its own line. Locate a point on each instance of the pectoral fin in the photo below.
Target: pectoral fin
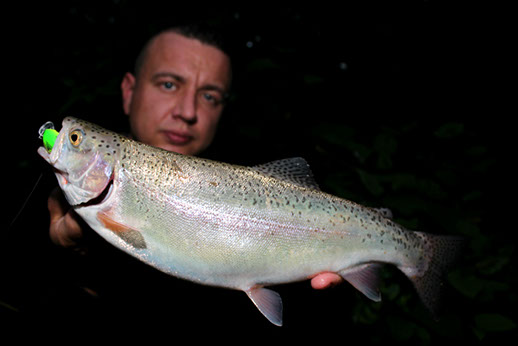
{"x": 128, "y": 234}
{"x": 268, "y": 302}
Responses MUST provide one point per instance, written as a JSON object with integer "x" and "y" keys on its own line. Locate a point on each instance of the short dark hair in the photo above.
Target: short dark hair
{"x": 202, "y": 32}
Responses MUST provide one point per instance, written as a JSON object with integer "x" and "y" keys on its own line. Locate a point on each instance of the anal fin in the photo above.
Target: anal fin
{"x": 268, "y": 302}
{"x": 365, "y": 278}
{"x": 128, "y": 234}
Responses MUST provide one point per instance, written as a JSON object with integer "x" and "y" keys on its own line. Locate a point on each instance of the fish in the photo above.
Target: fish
{"x": 239, "y": 227}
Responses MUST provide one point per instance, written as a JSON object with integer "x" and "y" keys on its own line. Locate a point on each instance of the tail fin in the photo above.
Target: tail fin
{"x": 442, "y": 252}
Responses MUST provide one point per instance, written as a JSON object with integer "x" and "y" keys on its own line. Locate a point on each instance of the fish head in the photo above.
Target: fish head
{"x": 83, "y": 157}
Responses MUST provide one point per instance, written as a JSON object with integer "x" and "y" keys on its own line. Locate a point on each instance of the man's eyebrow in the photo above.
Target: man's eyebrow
{"x": 168, "y": 74}
{"x": 211, "y": 87}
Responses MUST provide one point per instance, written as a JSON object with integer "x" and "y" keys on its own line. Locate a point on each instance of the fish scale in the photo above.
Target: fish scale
{"x": 232, "y": 226}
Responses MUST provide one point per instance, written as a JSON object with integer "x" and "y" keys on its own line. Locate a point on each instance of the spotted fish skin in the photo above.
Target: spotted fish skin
{"x": 233, "y": 226}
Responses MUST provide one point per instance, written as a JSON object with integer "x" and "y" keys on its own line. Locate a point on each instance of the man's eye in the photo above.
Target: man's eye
{"x": 210, "y": 98}
{"x": 169, "y": 85}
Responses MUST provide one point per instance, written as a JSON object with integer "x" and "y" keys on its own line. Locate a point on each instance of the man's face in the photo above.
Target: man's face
{"x": 176, "y": 100}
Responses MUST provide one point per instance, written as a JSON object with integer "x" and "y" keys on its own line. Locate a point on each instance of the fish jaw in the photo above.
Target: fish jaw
{"x": 52, "y": 156}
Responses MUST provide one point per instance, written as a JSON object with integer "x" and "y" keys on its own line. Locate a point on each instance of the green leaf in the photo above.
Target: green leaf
{"x": 334, "y": 133}
{"x": 493, "y": 264}
{"x": 262, "y": 64}
{"x": 391, "y": 291}
{"x": 467, "y": 284}
{"x": 365, "y": 313}
{"x": 401, "y": 329}
{"x": 494, "y": 323}
{"x": 450, "y": 130}
{"x": 311, "y": 79}
{"x": 385, "y": 145}
{"x": 371, "y": 182}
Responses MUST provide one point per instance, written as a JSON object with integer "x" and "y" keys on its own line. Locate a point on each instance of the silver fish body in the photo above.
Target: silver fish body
{"x": 232, "y": 226}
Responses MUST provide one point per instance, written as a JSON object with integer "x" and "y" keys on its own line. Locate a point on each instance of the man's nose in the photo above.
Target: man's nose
{"x": 185, "y": 107}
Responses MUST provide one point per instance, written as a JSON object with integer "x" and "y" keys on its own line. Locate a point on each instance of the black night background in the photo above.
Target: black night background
{"x": 393, "y": 104}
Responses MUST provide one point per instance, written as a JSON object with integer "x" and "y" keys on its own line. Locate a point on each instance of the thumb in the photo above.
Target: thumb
{"x": 57, "y": 205}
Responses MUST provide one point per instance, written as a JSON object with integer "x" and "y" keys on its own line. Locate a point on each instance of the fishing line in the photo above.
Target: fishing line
{"x": 26, "y": 201}
{"x": 48, "y": 140}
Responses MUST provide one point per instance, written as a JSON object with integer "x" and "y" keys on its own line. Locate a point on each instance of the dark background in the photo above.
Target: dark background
{"x": 397, "y": 105}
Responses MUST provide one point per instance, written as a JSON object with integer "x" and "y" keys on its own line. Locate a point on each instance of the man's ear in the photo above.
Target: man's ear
{"x": 127, "y": 88}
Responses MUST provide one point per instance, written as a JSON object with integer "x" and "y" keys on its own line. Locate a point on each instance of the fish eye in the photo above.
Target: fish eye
{"x": 75, "y": 137}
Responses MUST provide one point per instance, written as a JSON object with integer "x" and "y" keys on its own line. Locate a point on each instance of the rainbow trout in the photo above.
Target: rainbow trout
{"x": 231, "y": 226}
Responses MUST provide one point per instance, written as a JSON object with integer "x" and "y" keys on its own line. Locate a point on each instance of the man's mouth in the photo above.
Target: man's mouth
{"x": 177, "y": 138}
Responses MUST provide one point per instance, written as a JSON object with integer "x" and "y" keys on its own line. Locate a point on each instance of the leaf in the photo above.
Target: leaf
{"x": 385, "y": 145}
{"x": 365, "y": 313}
{"x": 493, "y": 264}
{"x": 450, "y": 130}
{"x": 371, "y": 182}
{"x": 494, "y": 323}
{"x": 412, "y": 183}
{"x": 262, "y": 64}
{"x": 311, "y": 79}
{"x": 391, "y": 291}
{"x": 473, "y": 286}
{"x": 467, "y": 284}
{"x": 401, "y": 329}
{"x": 337, "y": 134}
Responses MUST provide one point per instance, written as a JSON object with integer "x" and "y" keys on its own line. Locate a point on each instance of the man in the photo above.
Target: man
{"x": 174, "y": 101}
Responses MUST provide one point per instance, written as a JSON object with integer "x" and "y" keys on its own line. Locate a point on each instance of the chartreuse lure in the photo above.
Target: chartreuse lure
{"x": 49, "y": 135}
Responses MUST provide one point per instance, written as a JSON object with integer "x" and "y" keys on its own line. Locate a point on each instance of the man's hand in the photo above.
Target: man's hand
{"x": 325, "y": 280}
{"x": 65, "y": 229}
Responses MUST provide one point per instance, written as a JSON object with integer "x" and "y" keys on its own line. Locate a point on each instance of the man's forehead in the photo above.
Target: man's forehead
{"x": 173, "y": 48}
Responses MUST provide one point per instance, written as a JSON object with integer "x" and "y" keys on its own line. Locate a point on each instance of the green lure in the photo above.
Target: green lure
{"x": 49, "y": 135}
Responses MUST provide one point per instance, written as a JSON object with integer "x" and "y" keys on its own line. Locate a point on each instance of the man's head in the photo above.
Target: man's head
{"x": 176, "y": 95}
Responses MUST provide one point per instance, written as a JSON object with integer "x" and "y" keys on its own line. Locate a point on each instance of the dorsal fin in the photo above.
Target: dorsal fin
{"x": 294, "y": 170}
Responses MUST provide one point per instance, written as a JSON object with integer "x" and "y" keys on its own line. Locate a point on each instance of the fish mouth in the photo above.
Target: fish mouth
{"x": 45, "y": 154}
